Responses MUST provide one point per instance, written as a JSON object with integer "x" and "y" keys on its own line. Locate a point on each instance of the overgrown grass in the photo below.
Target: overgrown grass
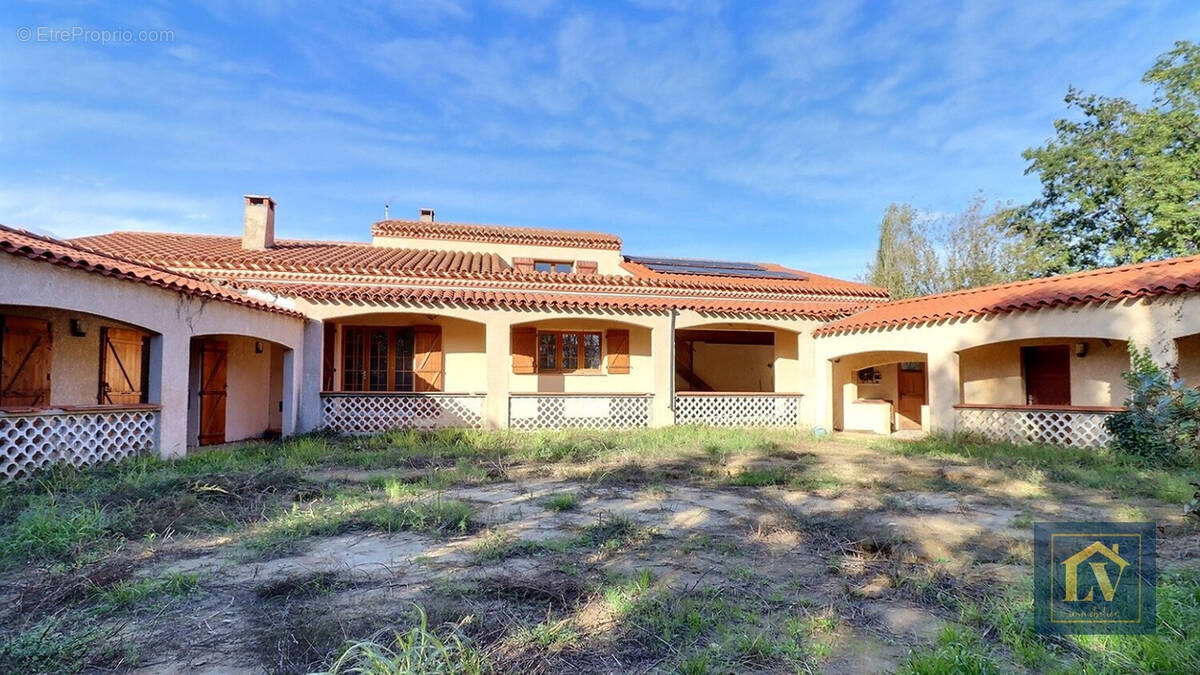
{"x": 1096, "y": 468}
{"x": 129, "y": 594}
{"x": 562, "y": 501}
{"x": 609, "y": 534}
{"x": 417, "y": 650}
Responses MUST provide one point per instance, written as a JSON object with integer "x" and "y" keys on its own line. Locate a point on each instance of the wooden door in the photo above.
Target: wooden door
{"x": 122, "y": 371}
{"x": 214, "y": 362}
{"x": 429, "y": 361}
{"x": 24, "y": 362}
{"x": 1047, "y": 374}
{"x": 911, "y": 395}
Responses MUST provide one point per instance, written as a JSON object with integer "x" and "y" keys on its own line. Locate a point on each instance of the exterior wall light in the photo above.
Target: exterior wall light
{"x": 77, "y": 328}
{"x": 258, "y": 347}
{"x": 1081, "y": 349}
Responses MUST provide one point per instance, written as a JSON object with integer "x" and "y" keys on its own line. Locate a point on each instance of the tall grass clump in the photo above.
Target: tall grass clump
{"x": 418, "y": 650}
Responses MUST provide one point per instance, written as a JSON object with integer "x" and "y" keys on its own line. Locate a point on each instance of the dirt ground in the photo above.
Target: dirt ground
{"x": 842, "y": 568}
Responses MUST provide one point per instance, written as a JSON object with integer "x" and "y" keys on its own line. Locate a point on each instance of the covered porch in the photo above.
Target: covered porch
{"x": 729, "y": 375}
{"x": 881, "y": 392}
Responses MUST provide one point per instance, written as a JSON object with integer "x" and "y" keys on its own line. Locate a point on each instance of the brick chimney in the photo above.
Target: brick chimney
{"x": 259, "y": 224}
{"x": 426, "y": 215}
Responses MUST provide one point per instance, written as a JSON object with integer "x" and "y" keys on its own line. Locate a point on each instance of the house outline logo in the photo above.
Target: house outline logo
{"x": 1096, "y": 577}
{"x": 1108, "y": 588}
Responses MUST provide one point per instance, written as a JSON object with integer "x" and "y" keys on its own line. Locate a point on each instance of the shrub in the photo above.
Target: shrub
{"x": 1162, "y": 422}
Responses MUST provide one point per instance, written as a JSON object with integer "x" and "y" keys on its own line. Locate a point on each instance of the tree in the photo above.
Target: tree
{"x": 905, "y": 262}
{"x": 1122, "y": 184}
{"x": 923, "y": 255}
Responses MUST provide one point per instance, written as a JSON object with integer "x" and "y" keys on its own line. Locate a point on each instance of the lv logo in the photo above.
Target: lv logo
{"x": 1108, "y": 588}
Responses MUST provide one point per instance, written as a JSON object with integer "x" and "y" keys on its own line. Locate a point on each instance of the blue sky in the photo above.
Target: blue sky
{"x": 773, "y": 131}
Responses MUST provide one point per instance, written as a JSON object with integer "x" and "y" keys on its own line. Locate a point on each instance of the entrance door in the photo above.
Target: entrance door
{"x": 214, "y": 360}
{"x": 911, "y": 394}
{"x": 1047, "y": 374}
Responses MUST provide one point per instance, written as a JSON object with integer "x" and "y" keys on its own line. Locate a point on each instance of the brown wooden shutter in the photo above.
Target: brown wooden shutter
{"x": 428, "y": 358}
{"x": 585, "y": 266}
{"x": 328, "y": 368}
{"x": 24, "y": 362}
{"x": 524, "y": 351}
{"x": 618, "y": 351}
{"x": 121, "y": 367}
{"x": 523, "y": 265}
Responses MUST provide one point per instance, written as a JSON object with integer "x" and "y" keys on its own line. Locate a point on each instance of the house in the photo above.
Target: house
{"x": 432, "y": 324}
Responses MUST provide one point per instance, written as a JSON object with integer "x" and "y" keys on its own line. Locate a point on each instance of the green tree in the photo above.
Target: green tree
{"x": 1121, "y": 184}
{"x": 920, "y": 255}
{"x": 906, "y": 261}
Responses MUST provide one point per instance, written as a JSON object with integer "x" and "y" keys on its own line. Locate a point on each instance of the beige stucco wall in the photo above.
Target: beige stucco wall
{"x": 727, "y": 367}
{"x": 275, "y": 412}
{"x": 992, "y": 373}
{"x": 1189, "y": 359}
{"x": 607, "y": 261}
{"x": 74, "y": 361}
{"x": 248, "y": 389}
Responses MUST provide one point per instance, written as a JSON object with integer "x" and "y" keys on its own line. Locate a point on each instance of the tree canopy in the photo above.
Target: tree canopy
{"x": 1122, "y": 183}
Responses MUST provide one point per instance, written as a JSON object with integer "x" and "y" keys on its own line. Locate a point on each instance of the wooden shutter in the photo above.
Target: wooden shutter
{"x": 24, "y": 362}
{"x": 121, "y": 367}
{"x": 428, "y": 358}
{"x": 328, "y": 369}
{"x": 618, "y": 351}
{"x": 523, "y": 265}
{"x": 214, "y": 366}
{"x": 585, "y": 266}
{"x": 524, "y": 351}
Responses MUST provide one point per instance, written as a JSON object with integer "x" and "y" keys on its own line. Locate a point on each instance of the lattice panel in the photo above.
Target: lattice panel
{"x": 1047, "y": 427}
{"x": 366, "y": 413}
{"x": 738, "y": 411}
{"x": 37, "y": 441}
{"x": 527, "y": 413}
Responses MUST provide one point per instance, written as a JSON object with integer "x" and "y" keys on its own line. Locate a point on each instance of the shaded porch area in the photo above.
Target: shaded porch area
{"x": 881, "y": 392}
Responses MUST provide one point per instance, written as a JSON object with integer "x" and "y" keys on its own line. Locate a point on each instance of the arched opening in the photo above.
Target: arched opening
{"x": 881, "y": 392}
{"x": 1067, "y": 371}
{"x": 733, "y": 358}
{"x": 236, "y": 389}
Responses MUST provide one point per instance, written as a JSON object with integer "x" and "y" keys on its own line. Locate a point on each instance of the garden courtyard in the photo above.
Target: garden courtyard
{"x": 675, "y": 550}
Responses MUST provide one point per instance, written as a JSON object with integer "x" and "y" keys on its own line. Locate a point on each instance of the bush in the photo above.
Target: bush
{"x": 1162, "y": 422}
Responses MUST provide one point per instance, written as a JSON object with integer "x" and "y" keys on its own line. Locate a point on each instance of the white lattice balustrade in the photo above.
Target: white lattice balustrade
{"x": 37, "y": 440}
{"x": 368, "y": 413}
{"x": 579, "y": 411}
{"x": 738, "y": 410}
{"x": 1079, "y": 428}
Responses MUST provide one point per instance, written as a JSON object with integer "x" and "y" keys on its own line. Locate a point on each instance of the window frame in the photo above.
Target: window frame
{"x": 362, "y": 335}
{"x": 580, "y": 352}
{"x": 554, "y": 265}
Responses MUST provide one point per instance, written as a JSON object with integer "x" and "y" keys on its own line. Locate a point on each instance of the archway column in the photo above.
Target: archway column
{"x": 662, "y": 350}
{"x": 497, "y": 339}
{"x": 944, "y": 390}
{"x": 168, "y": 388}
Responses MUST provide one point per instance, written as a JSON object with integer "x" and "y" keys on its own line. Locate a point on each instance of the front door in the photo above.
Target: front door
{"x": 214, "y": 360}
{"x": 911, "y": 386}
{"x": 1047, "y": 374}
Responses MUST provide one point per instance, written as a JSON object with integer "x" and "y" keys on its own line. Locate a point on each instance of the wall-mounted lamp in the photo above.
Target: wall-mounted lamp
{"x": 1081, "y": 349}
{"x": 77, "y": 328}
{"x": 258, "y": 348}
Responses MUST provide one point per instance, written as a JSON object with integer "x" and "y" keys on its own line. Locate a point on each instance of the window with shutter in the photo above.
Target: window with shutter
{"x": 122, "y": 366}
{"x": 24, "y": 362}
{"x": 618, "y": 351}
{"x": 428, "y": 358}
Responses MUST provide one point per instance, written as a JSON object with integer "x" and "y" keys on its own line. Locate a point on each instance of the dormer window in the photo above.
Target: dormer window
{"x": 552, "y": 267}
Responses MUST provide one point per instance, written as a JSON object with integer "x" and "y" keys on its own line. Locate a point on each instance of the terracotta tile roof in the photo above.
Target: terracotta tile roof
{"x": 498, "y": 234}
{"x": 222, "y": 252}
{"x": 806, "y": 282}
{"x": 1177, "y": 275}
{"x": 530, "y": 299}
{"x": 57, "y": 252}
{"x": 223, "y": 256}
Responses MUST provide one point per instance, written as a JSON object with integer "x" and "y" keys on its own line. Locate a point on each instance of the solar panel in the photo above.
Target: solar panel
{"x": 719, "y": 268}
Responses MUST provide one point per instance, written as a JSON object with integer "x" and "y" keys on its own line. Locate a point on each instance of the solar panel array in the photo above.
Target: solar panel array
{"x": 712, "y": 268}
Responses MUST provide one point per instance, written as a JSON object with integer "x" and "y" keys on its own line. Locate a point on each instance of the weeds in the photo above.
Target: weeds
{"x": 418, "y": 650}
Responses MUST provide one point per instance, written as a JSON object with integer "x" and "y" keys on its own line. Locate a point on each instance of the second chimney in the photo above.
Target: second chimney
{"x": 258, "y": 232}
{"x": 426, "y": 215}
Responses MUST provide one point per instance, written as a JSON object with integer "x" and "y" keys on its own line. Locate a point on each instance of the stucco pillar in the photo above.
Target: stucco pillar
{"x": 662, "y": 354}
{"x": 307, "y": 371}
{"x": 291, "y": 375}
{"x": 820, "y": 397}
{"x": 170, "y": 360}
{"x": 944, "y": 391}
{"x": 498, "y": 337}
